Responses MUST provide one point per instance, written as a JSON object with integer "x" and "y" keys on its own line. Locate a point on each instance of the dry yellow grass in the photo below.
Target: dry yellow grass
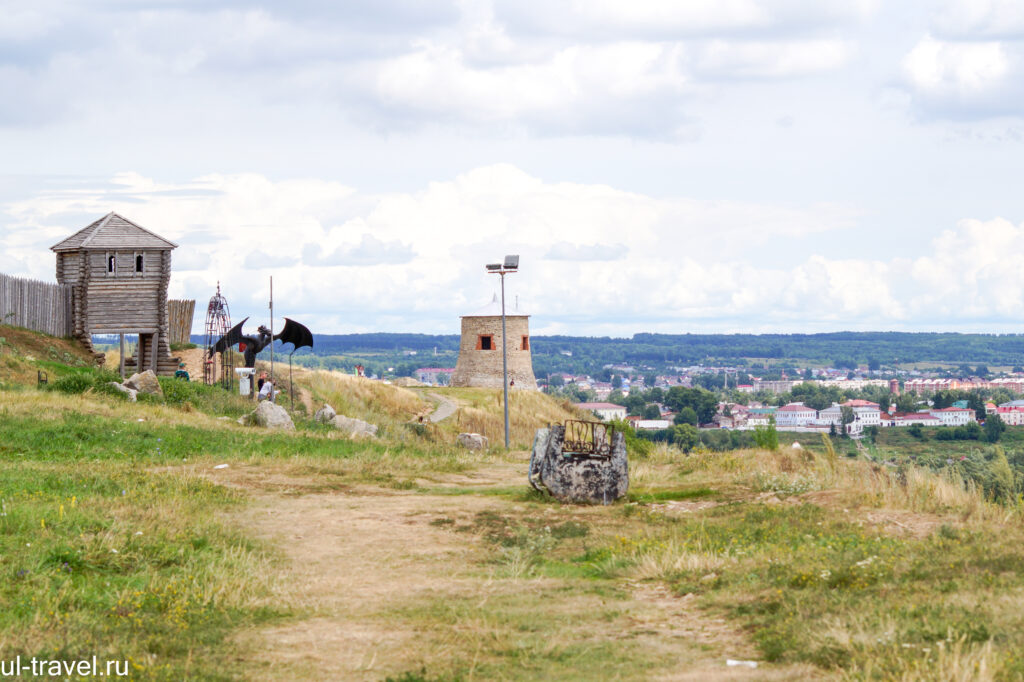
{"x": 864, "y": 483}
{"x": 478, "y": 410}
{"x": 54, "y": 405}
{"x": 481, "y": 410}
{"x": 362, "y": 398}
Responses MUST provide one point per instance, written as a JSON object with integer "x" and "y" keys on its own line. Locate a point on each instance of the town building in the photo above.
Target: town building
{"x": 954, "y": 416}
{"x": 776, "y": 386}
{"x": 1012, "y": 413}
{"x": 795, "y": 414}
{"x": 604, "y": 411}
{"x": 652, "y": 424}
{"x": 922, "y": 418}
{"x": 435, "y": 376}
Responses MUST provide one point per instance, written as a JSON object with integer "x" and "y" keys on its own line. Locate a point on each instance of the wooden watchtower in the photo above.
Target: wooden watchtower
{"x": 119, "y": 274}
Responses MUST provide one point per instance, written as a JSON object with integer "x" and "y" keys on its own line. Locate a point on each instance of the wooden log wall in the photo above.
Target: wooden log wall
{"x": 36, "y": 305}
{"x": 179, "y": 320}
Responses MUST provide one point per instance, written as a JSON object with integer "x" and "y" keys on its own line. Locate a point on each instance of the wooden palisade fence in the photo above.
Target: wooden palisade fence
{"x": 36, "y": 305}
{"x": 179, "y": 320}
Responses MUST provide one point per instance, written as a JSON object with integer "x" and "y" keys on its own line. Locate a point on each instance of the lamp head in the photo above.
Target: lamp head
{"x": 511, "y": 262}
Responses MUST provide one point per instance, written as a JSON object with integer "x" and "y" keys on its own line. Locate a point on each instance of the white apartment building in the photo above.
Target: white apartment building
{"x": 865, "y": 413}
{"x": 922, "y": 418}
{"x": 795, "y": 414}
{"x": 954, "y": 416}
{"x": 604, "y": 411}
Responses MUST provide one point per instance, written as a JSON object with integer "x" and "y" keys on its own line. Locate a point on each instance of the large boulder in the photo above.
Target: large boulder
{"x": 268, "y": 415}
{"x": 354, "y": 427}
{"x": 574, "y": 478}
{"x": 325, "y": 414}
{"x": 130, "y": 392}
{"x": 472, "y": 441}
{"x": 145, "y": 383}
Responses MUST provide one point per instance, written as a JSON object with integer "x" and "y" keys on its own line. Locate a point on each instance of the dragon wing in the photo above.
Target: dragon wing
{"x": 296, "y": 334}
{"x": 233, "y": 336}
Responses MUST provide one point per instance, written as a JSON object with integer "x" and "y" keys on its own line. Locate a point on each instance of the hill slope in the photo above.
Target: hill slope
{"x": 165, "y": 534}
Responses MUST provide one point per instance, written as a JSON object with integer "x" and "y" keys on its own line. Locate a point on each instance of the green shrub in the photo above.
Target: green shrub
{"x": 634, "y": 444}
{"x": 767, "y": 437}
{"x": 71, "y": 383}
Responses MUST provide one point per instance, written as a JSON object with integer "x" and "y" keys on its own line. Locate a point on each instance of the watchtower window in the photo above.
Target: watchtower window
{"x": 526, "y": 343}
{"x": 485, "y": 342}
{"x": 138, "y": 262}
{"x": 111, "y": 262}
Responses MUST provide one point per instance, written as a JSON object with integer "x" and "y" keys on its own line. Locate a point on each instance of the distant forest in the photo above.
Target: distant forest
{"x": 661, "y": 351}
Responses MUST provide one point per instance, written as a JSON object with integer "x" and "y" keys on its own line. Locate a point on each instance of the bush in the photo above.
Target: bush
{"x": 767, "y": 437}
{"x": 685, "y": 436}
{"x": 80, "y": 381}
{"x": 72, "y": 383}
{"x": 971, "y": 431}
{"x": 994, "y": 427}
{"x": 634, "y": 444}
{"x": 687, "y": 415}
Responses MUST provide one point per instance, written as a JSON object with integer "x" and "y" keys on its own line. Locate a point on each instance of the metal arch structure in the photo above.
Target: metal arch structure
{"x": 218, "y": 323}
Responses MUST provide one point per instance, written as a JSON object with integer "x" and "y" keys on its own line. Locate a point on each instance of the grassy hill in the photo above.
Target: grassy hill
{"x": 314, "y": 556}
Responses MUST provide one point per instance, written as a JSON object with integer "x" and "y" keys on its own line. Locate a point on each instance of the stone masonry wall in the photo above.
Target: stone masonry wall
{"x": 482, "y": 368}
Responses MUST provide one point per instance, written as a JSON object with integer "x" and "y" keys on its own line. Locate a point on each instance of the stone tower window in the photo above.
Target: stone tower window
{"x": 526, "y": 343}
{"x": 485, "y": 342}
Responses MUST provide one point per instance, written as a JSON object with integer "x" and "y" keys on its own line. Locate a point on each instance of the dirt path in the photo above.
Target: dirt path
{"x": 445, "y": 408}
{"x": 383, "y": 583}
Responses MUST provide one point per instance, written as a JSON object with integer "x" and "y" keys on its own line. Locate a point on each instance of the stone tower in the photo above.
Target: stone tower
{"x": 480, "y": 349}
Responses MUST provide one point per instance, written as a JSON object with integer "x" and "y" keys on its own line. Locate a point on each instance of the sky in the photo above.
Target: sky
{"x": 677, "y": 166}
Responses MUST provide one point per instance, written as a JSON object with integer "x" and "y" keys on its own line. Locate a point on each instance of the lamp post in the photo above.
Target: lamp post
{"x": 511, "y": 264}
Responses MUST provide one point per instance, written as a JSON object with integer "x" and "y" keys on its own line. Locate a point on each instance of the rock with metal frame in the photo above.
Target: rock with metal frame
{"x": 582, "y": 462}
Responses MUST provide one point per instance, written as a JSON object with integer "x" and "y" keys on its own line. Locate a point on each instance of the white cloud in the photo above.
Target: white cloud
{"x": 980, "y": 18}
{"x": 576, "y": 88}
{"x": 586, "y": 252}
{"x": 368, "y": 251}
{"x": 604, "y": 68}
{"x": 260, "y": 260}
{"x": 956, "y": 69}
{"x": 679, "y": 263}
{"x": 694, "y": 18}
{"x": 760, "y": 59}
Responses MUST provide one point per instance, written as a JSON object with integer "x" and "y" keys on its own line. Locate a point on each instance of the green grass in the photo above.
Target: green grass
{"x": 108, "y": 559}
{"x": 648, "y": 496}
{"x": 815, "y": 585}
{"x": 76, "y": 436}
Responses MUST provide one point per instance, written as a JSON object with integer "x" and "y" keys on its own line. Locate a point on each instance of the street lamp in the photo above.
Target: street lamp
{"x": 511, "y": 264}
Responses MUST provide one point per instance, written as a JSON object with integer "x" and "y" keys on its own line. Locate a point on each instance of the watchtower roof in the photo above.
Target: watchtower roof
{"x": 113, "y": 232}
{"x": 493, "y": 309}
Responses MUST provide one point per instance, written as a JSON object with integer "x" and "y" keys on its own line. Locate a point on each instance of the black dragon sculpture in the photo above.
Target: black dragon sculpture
{"x": 250, "y": 346}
